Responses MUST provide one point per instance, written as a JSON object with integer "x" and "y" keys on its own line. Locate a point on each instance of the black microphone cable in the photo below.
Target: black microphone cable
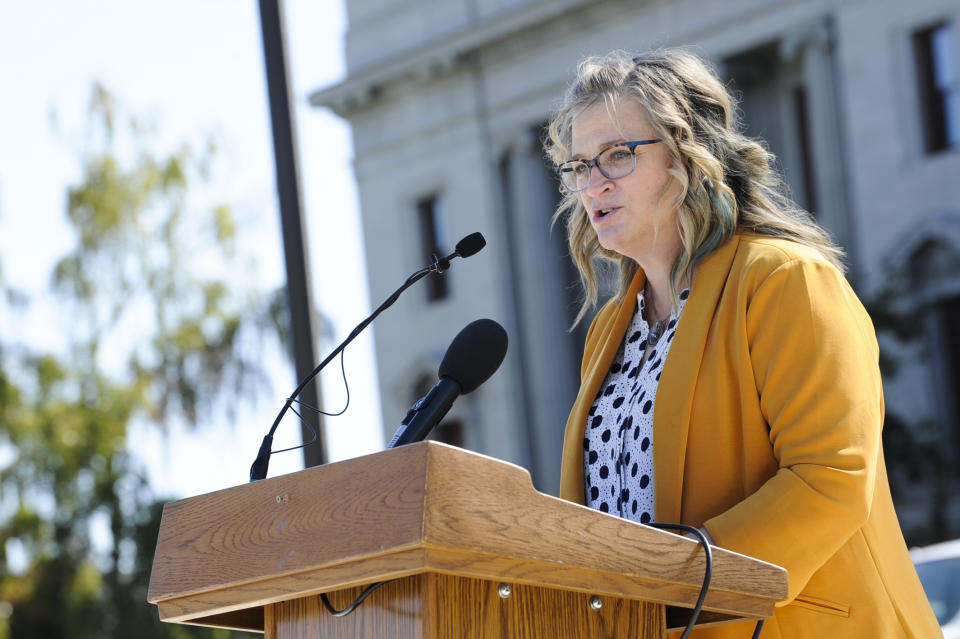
{"x": 707, "y": 575}
{"x": 320, "y": 411}
{"x": 356, "y": 602}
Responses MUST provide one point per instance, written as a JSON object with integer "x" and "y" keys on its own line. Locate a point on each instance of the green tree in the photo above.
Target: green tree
{"x": 149, "y": 268}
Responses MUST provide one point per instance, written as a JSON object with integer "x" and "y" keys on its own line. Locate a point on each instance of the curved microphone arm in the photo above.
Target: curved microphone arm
{"x": 258, "y": 470}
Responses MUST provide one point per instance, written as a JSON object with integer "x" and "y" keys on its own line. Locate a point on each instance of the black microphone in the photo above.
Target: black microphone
{"x": 466, "y": 247}
{"x": 470, "y": 245}
{"x": 472, "y": 357}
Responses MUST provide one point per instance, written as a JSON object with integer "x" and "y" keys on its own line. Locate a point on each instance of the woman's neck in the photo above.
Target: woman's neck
{"x": 658, "y": 269}
{"x": 656, "y": 299}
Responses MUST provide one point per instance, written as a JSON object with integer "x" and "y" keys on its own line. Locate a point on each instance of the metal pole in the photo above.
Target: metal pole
{"x": 291, "y": 220}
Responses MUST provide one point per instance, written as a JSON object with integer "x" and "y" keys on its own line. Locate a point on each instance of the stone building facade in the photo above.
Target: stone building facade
{"x": 859, "y": 100}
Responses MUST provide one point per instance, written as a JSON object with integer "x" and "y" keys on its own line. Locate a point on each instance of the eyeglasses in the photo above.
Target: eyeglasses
{"x": 614, "y": 163}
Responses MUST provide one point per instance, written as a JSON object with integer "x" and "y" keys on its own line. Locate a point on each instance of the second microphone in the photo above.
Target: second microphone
{"x": 472, "y": 357}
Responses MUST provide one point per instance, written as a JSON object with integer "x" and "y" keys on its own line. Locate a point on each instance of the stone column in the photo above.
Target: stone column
{"x": 814, "y": 47}
{"x": 549, "y": 357}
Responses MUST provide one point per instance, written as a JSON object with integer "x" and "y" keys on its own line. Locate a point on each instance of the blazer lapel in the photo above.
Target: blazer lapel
{"x": 671, "y": 417}
{"x": 607, "y": 339}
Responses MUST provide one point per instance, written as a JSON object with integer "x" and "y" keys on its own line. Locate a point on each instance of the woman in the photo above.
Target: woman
{"x": 732, "y": 383}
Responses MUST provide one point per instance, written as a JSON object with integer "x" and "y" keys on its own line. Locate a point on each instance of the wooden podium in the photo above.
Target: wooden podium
{"x": 471, "y": 549}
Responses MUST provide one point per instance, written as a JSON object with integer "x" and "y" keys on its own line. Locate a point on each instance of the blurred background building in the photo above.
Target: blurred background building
{"x": 859, "y": 100}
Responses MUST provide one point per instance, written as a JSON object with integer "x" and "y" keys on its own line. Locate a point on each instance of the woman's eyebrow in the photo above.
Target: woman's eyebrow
{"x": 602, "y": 147}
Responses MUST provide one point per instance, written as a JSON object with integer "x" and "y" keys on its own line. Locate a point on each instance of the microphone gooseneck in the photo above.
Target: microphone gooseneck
{"x": 472, "y": 357}
{"x": 466, "y": 247}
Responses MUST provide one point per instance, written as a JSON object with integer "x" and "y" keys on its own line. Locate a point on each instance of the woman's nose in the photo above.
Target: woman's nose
{"x": 597, "y": 182}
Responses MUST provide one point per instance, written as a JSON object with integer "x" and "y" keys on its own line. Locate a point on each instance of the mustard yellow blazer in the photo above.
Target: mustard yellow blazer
{"x": 767, "y": 432}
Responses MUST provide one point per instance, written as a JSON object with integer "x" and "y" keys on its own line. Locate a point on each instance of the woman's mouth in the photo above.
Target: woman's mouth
{"x": 604, "y": 212}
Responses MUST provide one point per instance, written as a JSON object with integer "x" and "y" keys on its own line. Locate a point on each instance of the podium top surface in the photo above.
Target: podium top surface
{"x": 426, "y": 507}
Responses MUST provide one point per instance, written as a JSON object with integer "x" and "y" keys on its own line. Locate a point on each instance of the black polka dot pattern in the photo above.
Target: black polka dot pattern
{"x": 618, "y": 442}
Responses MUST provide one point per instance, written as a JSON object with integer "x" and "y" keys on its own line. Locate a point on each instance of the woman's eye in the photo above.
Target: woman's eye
{"x": 619, "y": 155}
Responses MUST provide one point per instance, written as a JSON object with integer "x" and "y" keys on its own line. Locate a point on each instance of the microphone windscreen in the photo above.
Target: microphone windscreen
{"x": 475, "y": 353}
{"x": 470, "y": 245}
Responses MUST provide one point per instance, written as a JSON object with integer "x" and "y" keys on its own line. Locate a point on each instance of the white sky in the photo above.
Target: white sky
{"x": 194, "y": 67}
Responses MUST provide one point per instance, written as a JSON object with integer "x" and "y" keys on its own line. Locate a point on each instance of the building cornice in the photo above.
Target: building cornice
{"x": 432, "y": 58}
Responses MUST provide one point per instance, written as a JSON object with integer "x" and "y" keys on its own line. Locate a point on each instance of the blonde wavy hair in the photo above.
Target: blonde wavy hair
{"x": 726, "y": 178}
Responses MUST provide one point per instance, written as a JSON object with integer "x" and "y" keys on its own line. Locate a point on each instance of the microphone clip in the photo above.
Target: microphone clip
{"x": 440, "y": 264}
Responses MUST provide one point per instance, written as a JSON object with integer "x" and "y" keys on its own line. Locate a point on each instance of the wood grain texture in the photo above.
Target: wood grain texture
{"x": 499, "y": 514}
{"x": 600, "y": 582}
{"x": 394, "y": 610}
{"x": 471, "y": 608}
{"x": 269, "y": 622}
{"x": 283, "y": 587}
{"x": 421, "y": 509}
{"x": 319, "y": 516}
{"x": 446, "y": 606}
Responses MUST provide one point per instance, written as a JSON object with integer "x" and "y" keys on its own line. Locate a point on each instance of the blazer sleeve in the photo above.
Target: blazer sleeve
{"x": 814, "y": 357}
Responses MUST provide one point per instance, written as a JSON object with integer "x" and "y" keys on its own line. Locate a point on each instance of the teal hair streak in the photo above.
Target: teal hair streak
{"x": 722, "y": 207}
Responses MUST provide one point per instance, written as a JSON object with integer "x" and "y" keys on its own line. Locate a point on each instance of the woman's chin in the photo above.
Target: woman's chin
{"x": 615, "y": 242}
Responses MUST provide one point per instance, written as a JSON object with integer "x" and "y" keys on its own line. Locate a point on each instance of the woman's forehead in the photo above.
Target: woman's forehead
{"x": 608, "y": 121}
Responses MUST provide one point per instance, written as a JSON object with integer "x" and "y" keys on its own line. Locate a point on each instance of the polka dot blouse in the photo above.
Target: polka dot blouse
{"x": 618, "y": 440}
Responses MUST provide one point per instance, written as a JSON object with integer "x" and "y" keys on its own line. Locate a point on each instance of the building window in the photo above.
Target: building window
{"x": 433, "y": 242}
{"x": 939, "y": 84}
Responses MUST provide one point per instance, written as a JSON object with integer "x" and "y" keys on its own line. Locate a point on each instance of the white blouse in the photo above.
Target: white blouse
{"x": 618, "y": 440}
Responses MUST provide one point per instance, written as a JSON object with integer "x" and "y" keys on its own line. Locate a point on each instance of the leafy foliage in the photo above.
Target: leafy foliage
{"x": 155, "y": 334}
